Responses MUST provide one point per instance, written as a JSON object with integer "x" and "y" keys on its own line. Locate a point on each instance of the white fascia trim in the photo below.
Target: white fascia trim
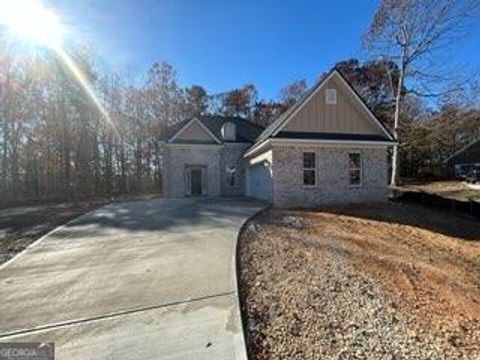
{"x": 322, "y": 84}
{"x": 267, "y": 155}
{"x": 201, "y": 125}
{"x": 293, "y": 142}
{"x": 256, "y": 148}
{"x": 180, "y": 145}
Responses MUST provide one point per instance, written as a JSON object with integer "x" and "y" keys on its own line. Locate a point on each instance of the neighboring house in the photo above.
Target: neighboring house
{"x": 327, "y": 148}
{"x": 462, "y": 161}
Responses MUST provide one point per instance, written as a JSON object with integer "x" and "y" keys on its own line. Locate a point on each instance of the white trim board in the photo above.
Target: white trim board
{"x": 265, "y": 156}
{"x": 202, "y": 125}
{"x": 254, "y": 148}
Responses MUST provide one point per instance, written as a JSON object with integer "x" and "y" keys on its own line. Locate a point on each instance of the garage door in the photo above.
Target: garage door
{"x": 260, "y": 183}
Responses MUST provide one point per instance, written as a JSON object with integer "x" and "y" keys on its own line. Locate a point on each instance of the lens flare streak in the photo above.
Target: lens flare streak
{"x": 86, "y": 86}
{"x": 31, "y": 21}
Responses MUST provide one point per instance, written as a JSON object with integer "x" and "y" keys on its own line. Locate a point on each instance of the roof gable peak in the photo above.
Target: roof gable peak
{"x": 195, "y": 120}
{"x": 280, "y": 122}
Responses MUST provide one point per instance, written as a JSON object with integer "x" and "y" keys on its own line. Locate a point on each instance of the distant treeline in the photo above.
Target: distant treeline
{"x": 56, "y": 144}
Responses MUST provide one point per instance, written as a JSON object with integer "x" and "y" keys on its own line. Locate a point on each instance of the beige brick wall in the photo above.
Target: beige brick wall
{"x": 216, "y": 159}
{"x": 332, "y": 176}
{"x": 178, "y": 158}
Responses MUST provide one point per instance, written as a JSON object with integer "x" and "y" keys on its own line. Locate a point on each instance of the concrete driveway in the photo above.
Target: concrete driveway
{"x": 141, "y": 280}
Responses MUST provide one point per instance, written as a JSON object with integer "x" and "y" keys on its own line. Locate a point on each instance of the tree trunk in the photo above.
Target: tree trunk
{"x": 108, "y": 156}
{"x": 396, "y": 120}
{"x": 139, "y": 165}
{"x": 123, "y": 170}
{"x": 14, "y": 161}
{"x": 5, "y": 165}
{"x": 66, "y": 162}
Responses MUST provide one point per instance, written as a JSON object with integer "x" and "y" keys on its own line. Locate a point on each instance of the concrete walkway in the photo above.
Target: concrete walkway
{"x": 141, "y": 280}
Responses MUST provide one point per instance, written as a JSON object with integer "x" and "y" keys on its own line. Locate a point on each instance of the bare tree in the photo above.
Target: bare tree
{"x": 292, "y": 92}
{"x": 411, "y": 33}
{"x": 239, "y": 102}
{"x": 55, "y": 143}
{"x": 167, "y": 106}
{"x": 197, "y": 100}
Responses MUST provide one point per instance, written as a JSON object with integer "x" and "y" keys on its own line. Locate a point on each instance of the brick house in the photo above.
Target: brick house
{"x": 327, "y": 148}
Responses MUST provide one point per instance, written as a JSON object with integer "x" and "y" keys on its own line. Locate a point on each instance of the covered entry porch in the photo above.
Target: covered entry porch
{"x": 196, "y": 180}
{"x": 192, "y": 170}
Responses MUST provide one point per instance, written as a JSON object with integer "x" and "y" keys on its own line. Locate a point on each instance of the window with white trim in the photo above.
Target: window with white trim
{"x": 355, "y": 169}
{"x": 331, "y": 96}
{"x": 309, "y": 168}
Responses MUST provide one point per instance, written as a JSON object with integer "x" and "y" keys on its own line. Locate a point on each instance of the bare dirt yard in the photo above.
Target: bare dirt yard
{"x": 383, "y": 281}
{"x": 449, "y": 189}
{"x": 22, "y": 225}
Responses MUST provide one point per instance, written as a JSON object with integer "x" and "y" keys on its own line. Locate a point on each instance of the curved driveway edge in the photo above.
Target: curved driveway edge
{"x": 241, "y": 343}
{"x": 141, "y": 280}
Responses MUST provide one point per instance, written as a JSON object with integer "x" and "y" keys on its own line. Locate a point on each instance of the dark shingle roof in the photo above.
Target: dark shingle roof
{"x": 252, "y": 133}
{"x": 247, "y": 132}
{"x": 329, "y": 136}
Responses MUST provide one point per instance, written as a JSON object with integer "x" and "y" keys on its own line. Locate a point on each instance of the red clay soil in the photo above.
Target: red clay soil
{"x": 432, "y": 259}
{"x": 416, "y": 270}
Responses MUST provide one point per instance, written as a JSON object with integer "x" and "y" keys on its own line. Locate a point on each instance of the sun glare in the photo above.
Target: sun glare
{"x": 30, "y": 20}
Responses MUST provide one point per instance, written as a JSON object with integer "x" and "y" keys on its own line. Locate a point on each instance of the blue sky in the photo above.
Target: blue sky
{"x": 222, "y": 44}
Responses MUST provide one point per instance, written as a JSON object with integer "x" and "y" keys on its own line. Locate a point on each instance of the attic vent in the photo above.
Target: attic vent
{"x": 228, "y": 131}
{"x": 331, "y": 96}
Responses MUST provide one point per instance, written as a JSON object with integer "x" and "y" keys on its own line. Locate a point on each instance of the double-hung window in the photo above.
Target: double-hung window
{"x": 355, "y": 169}
{"x": 309, "y": 168}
